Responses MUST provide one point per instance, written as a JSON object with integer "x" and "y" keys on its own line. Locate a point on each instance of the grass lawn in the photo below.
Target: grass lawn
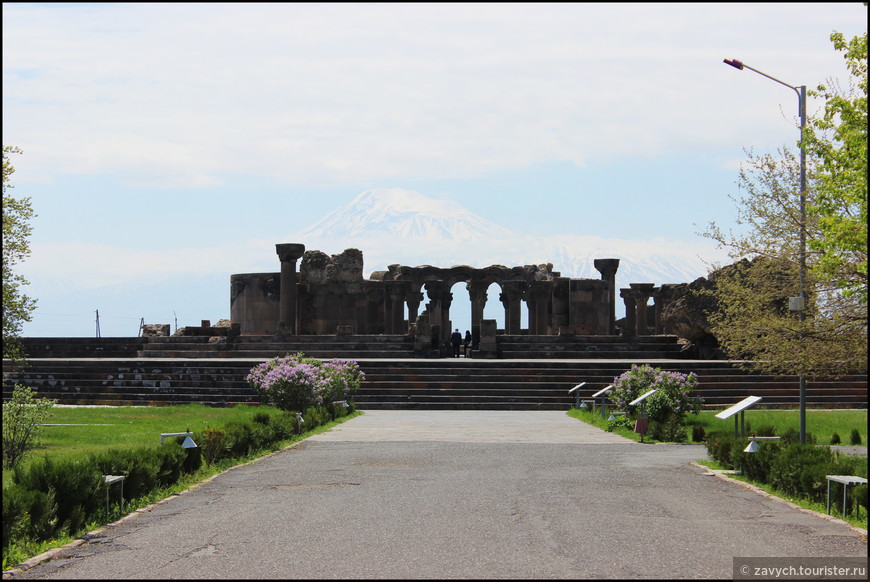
{"x": 129, "y": 426}
{"x": 821, "y": 423}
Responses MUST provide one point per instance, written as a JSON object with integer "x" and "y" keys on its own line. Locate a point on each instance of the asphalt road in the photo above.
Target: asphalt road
{"x": 458, "y": 494}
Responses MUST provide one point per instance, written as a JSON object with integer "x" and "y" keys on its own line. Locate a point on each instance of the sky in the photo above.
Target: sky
{"x": 167, "y": 141}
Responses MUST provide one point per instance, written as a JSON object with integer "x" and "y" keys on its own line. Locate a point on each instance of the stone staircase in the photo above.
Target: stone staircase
{"x": 347, "y": 346}
{"x": 256, "y": 347}
{"x": 506, "y": 384}
{"x": 582, "y": 347}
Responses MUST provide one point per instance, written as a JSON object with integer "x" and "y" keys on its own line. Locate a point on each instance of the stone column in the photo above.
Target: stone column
{"x": 608, "y": 268}
{"x": 414, "y": 300}
{"x": 288, "y": 254}
{"x": 395, "y": 293}
{"x": 511, "y": 297}
{"x": 643, "y": 292}
{"x": 439, "y": 308}
{"x": 477, "y": 294}
{"x": 629, "y": 298}
{"x": 538, "y": 298}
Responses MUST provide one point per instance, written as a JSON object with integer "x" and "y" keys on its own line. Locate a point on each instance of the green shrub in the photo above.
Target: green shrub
{"x": 835, "y": 439}
{"x": 766, "y": 430}
{"x": 670, "y": 430}
{"x": 855, "y": 437}
{"x": 698, "y": 433}
{"x": 756, "y": 466}
{"x": 262, "y": 418}
{"x": 858, "y": 496}
{"x": 212, "y": 445}
{"x": 71, "y": 494}
{"x": 238, "y": 439}
{"x": 28, "y": 514}
{"x": 619, "y": 422}
{"x": 671, "y": 396}
{"x": 719, "y": 446}
{"x": 794, "y": 470}
{"x": 140, "y": 467}
{"x": 792, "y": 435}
{"x": 23, "y": 416}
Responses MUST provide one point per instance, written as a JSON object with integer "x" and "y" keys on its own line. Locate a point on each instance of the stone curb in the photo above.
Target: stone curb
{"x": 724, "y": 474}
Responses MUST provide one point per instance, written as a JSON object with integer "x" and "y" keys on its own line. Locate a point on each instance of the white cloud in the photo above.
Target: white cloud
{"x": 181, "y": 93}
{"x": 88, "y": 266}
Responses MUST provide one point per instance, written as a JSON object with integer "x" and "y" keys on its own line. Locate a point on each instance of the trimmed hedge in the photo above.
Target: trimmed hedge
{"x": 53, "y": 497}
{"x": 789, "y": 466}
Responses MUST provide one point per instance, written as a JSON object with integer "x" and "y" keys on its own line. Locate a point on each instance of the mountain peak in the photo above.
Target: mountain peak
{"x": 407, "y": 214}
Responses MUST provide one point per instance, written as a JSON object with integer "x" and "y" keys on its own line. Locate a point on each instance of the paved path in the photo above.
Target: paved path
{"x": 458, "y": 494}
{"x": 470, "y": 426}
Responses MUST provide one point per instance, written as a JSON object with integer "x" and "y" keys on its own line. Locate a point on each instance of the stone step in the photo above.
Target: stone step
{"x": 264, "y": 355}
{"x": 409, "y": 382}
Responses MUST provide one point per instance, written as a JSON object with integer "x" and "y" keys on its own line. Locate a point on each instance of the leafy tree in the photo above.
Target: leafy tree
{"x": 753, "y": 321}
{"x": 17, "y": 213}
{"x": 839, "y": 140}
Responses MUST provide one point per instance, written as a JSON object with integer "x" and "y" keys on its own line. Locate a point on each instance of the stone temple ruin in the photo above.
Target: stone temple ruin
{"x": 328, "y": 295}
{"x": 396, "y": 325}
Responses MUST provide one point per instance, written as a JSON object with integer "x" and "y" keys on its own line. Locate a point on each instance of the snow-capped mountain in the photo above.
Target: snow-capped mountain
{"x": 399, "y": 226}
{"x": 407, "y": 215}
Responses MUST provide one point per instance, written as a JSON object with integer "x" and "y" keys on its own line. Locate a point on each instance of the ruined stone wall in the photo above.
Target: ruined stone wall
{"x": 331, "y": 296}
{"x": 254, "y": 302}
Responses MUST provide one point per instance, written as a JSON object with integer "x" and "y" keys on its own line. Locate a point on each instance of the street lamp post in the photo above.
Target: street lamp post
{"x": 800, "y": 305}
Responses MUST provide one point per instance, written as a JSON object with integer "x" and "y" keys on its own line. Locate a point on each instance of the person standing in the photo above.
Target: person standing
{"x": 456, "y": 341}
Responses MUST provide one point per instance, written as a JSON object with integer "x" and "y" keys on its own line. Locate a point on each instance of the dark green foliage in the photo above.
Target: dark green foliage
{"x": 28, "y": 513}
{"x": 698, "y": 433}
{"x": 756, "y": 465}
{"x": 835, "y": 439}
{"x": 140, "y": 466}
{"x": 212, "y": 444}
{"x": 719, "y": 447}
{"x": 262, "y": 418}
{"x": 792, "y": 435}
{"x": 619, "y": 422}
{"x": 238, "y": 439}
{"x": 788, "y": 466}
{"x": 765, "y": 430}
{"x": 669, "y": 430}
{"x": 65, "y": 494}
{"x": 855, "y": 437}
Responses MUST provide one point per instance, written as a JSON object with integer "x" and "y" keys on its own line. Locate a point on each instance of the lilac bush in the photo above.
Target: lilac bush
{"x": 631, "y": 384}
{"x": 673, "y": 392}
{"x": 296, "y": 382}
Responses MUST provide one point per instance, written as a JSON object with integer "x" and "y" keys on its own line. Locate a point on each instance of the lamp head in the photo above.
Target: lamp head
{"x": 734, "y": 63}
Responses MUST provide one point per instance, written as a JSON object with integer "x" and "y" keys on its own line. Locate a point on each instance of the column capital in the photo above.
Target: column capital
{"x": 607, "y": 267}
{"x": 477, "y": 290}
{"x": 289, "y": 252}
